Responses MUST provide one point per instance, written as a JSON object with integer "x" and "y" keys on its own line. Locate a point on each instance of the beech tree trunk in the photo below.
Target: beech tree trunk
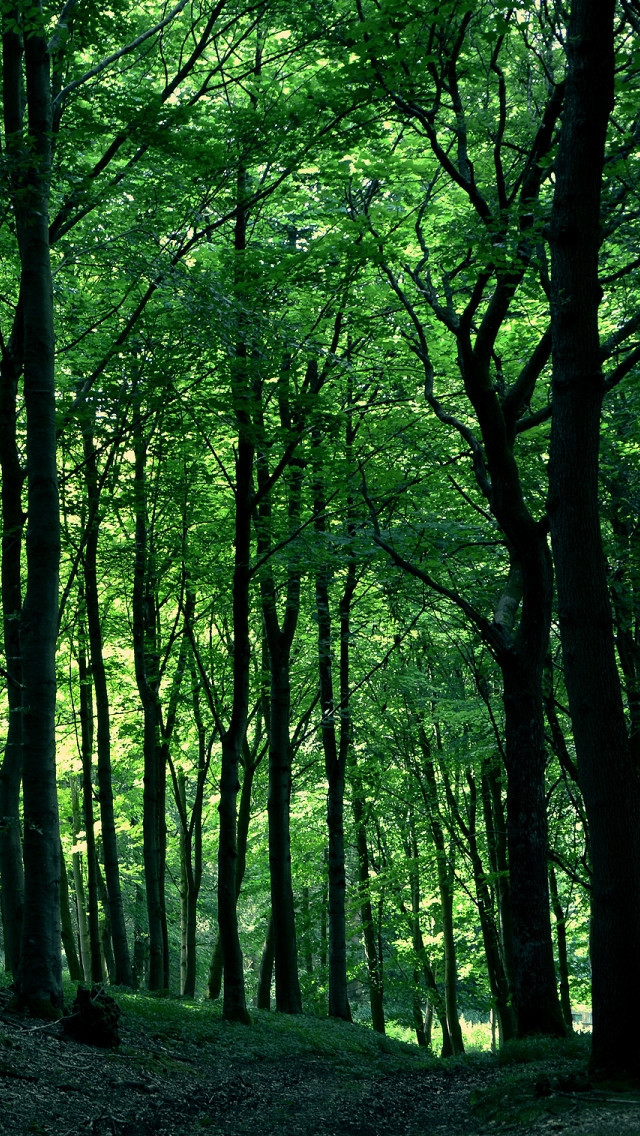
{"x": 124, "y": 974}
{"x": 39, "y": 980}
{"x": 336, "y": 742}
{"x": 372, "y": 954}
{"x": 288, "y": 996}
{"x": 147, "y": 678}
{"x": 11, "y": 872}
{"x": 608, "y": 776}
{"x": 76, "y": 973}
{"x": 86, "y": 730}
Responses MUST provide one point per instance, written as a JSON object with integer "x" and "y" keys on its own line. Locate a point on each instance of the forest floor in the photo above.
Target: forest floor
{"x": 181, "y": 1071}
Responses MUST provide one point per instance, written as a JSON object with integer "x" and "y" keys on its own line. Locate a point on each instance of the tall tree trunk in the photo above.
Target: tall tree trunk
{"x": 86, "y": 733}
{"x": 535, "y": 991}
{"x": 123, "y": 975}
{"x": 563, "y": 958}
{"x": 76, "y": 973}
{"x": 265, "y": 972}
{"x": 11, "y": 871}
{"x": 446, "y": 876}
{"x": 498, "y": 982}
{"x": 496, "y": 834}
{"x": 288, "y": 996}
{"x": 147, "y": 677}
{"x": 336, "y": 746}
{"x": 372, "y": 954}
{"x": 84, "y": 940}
{"x": 609, "y": 779}
{"x": 140, "y": 940}
{"x": 435, "y": 1000}
{"x": 280, "y": 635}
{"x": 250, "y": 765}
{"x": 39, "y": 980}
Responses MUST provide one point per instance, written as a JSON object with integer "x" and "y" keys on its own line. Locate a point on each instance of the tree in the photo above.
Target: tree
{"x": 608, "y": 776}
{"x": 29, "y": 147}
{"x": 470, "y": 296}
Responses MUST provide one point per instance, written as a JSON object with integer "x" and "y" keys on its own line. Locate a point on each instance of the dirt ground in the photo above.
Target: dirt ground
{"x": 50, "y": 1084}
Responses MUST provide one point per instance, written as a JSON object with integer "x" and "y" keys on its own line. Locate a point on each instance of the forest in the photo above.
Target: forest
{"x": 320, "y": 491}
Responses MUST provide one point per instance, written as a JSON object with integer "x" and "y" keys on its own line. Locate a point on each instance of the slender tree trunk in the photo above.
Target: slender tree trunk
{"x": 561, "y": 939}
{"x": 435, "y": 1000}
{"x": 280, "y": 637}
{"x": 68, "y": 940}
{"x": 498, "y": 983}
{"x": 250, "y": 764}
{"x": 288, "y": 996}
{"x": 86, "y": 729}
{"x": 234, "y": 1006}
{"x": 445, "y": 872}
{"x": 496, "y": 833}
{"x": 147, "y": 678}
{"x": 107, "y": 960}
{"x": 265, "y": 973}
{"x": 140, "y": 940}
{"x": 307, "y": 945}
{"x": 609, "y": 778}
{"x": 84, "y": 939}
{"x": 372, "y": 955}
{"x": 123, "y": 975}
{"x": 336, "y": 750}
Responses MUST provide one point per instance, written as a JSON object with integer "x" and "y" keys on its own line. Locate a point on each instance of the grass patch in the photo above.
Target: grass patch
{"x": 523, "y": 1052}
{"x": 270, "y": 1037}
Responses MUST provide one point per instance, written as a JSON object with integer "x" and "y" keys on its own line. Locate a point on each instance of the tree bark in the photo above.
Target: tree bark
{"x": 372, "y": 955}
{"x": 86, "y": 735}
{"x": 76, "y": 973}
{"x": 608, "y": 777}
{"x": 147, "y": 667}
{"x": 336, "y": 745}
{"x": 124, "y": 974}
{"x": 445, "y": 873}
{"x": 11, "y": 870}
{"x": 39, "y": 980}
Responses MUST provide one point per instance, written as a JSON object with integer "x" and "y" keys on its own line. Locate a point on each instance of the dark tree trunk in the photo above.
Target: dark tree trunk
{"x": 234, "y": 999}
{"x": 123, "y": 974}
{"x": 496, "y": 833}
{"x": 147, "y": 667}
{"x": 76, "y": 973}
{"x": 265, "y": 973}
{"x": 86, "y": 734}
{"x": 535, "y": 991}
{"x": 608, "y": 777}
{"x": 563, "y": 958}
{"x": 336, "y": 750}
{"x": 372, "y": 954}
{"x": 11, "y": 872}
{"x": 78, "y": 886}
{"x": 280, "y": 636}
{"x": 288, "y": 996}
{"x": 446, "y": 876}
{"x": 234, "y": 1007}
{"x": 251, "y": 763}
{"x": 39, "y": 975}
{"x": 435, "y": 999}
{"x": 140, "y": 940}
{"x": 500, "y": 993}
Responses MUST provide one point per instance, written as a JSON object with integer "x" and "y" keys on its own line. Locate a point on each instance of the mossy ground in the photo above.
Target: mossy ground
{"x": 180, "y": 1070}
